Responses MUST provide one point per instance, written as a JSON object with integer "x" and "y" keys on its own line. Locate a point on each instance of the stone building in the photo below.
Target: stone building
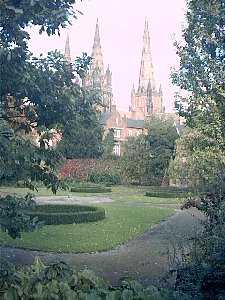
{"x": 99, "y": 78}
{"x": 146, "y": 101}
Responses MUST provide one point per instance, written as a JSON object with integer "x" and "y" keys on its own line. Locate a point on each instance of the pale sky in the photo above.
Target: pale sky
{"x": 121, "y": 29}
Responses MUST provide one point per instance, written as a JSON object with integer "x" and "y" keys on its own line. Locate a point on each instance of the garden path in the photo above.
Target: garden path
{"x": 144, "y": 258}
{"x": 73, "y": 200}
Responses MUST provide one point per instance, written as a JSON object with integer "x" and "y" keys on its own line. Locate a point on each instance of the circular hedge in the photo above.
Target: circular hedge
{"x": 66, "y": 214}
{"x": 91, "y": 189}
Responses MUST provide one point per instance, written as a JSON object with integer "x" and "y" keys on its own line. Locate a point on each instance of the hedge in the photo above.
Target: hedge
{"x": 165, "y": 195}
{"x": 91, "y": 189}
{"x": 105, "y": 177}
{"x": 66, "y": 214}
{"x": 168, "y": 192}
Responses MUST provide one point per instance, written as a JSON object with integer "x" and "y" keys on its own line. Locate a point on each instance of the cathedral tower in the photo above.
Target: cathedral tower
{"x": 97, "y": 57}
{"x": 67, "y": 49}
{"x": 98, "y": 78}
{"x": 147, "y": 99}
{"x": 146, "y": 70}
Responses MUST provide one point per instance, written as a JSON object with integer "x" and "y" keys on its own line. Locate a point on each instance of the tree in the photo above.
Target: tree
{"x": 199, "y": 160}
{"x": 146, "y": 158}
{"x": 37, "y": 96}
{"x": 201, "y": 72}
{"x": 108, "y": 144}
{"x": 32, "y": 90}
{"x": 201, "y": 77}
{"x": 135, "y": 160}
{"x": 162, "y": 135}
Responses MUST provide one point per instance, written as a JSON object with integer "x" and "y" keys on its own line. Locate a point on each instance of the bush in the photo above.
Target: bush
{"x": 89, "y": 189}
{"x": 105, "y": 177}
{"x": 168, "y": 192}
{"x": 67, "y": 214}
{"x": 60, "y": 281}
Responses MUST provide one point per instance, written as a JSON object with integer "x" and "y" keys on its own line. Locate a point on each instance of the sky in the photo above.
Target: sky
{"x": 121, "y": 29}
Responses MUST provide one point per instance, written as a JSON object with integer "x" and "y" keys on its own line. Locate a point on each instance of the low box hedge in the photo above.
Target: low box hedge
{"x": 168, "y": 192}
{"x": 89, "y": 189}
{"x": 67, "y": 214}
{"x": 165, "y": 195}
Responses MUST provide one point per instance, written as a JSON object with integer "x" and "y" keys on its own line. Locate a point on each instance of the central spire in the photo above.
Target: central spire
{"x": 67, "y": 49}
{"x": 146, "y": 70}
{"x": 97, "y": 56}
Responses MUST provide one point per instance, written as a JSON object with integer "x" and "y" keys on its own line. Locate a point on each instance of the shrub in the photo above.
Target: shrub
{"x": 87, "y": 187}
{"x": 105, "y": 177}
{"x": 91, "y": 189}
{"x": 168, "y": 192}
{"x": 67, "y": 214}
{"x": 13, "y": 218}
{"x": 60, "y": 281}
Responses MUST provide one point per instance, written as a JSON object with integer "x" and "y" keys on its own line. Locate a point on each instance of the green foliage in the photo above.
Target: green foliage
{"x": 146, "y": 158}
{"x": 135, "y": 160}
{"x": 66, "y": 214}
{"x": 126, "y": 218}
{"x": 82, "y": 135}
{"x": 105, "y": 178}
{"x": 108, "y": 145}
{"x": 91, "y": 189}
{"x": 201, "y": 70}
{"x": 199, "y": 161}
{"x": 14, "y": 219}
{"x": 168, "y": 192}
{"x": 200, "y": 152}
{"x": 38, "y": 97}
{"x": 59, "y": 281}
{"x": 161, "y": 137}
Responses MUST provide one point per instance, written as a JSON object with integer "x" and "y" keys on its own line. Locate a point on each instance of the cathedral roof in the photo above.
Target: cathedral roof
{"x": 132, "y": 123}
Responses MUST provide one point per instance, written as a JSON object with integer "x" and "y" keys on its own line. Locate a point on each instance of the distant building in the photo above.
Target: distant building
{"x": 146, "y": 101}
{"x": 97, "y": 77}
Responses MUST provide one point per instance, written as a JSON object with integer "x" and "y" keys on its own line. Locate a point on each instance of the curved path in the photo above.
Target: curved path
{"x": 72, "y": 200}
{"x": 144, "y": 258}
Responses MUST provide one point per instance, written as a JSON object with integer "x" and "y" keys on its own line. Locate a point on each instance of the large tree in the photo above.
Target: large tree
{"x": 146, "y": 158}
{"x": 202, "y": 68}
{"x": 38, "y": 96}
{"x": 201, "y": 77}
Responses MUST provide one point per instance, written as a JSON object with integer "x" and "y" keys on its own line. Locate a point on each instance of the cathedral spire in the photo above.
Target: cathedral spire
{"x": 146, "y": 70}
{"x": 67, "y": 49}
{"x": 97, "y": 51}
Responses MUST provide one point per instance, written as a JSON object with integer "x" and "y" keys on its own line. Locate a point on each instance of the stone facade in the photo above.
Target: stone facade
{"x": 146, "y": 100}
{"x": 98, "y": 78}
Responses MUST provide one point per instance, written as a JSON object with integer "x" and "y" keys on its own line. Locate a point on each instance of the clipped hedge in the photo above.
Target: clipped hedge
{"x": 66, "y": 214}
{"x": 105, "y": 177}
{"x": 91, "y": 189}
{"x": 168, "y": 192}
{"x": 165, "y": 195}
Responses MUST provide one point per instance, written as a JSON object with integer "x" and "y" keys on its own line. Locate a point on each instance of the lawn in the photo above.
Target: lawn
{"x": 128, "y": 216}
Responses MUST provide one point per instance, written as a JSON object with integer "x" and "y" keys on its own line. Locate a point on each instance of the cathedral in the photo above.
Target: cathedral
{"x": 99, "y": 78}
{"x": 146, "y": 100}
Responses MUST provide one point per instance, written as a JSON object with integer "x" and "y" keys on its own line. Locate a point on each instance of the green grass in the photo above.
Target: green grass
{"x": 128, "y": 216}
{"x": 122, "y": 223}
{"x": 44, "y": 192}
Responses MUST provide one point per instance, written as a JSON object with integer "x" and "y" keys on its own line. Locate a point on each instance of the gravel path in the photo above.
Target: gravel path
{"x": 144, "y": 258}
{"x": 72, "y": 200}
